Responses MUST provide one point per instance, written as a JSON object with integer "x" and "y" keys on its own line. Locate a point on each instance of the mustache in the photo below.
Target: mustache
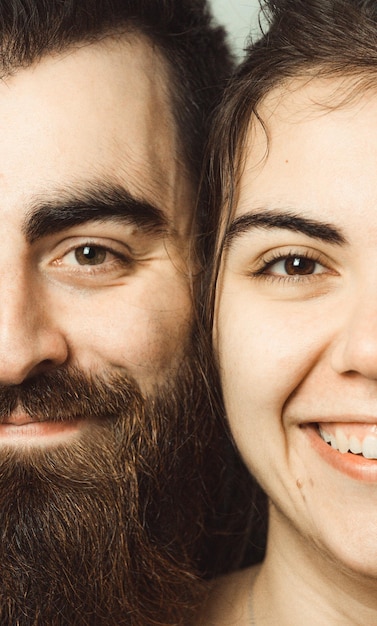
{"x": 65, "y": 395}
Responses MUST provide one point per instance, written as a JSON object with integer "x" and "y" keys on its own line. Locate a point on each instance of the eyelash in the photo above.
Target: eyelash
{"x": 274, "y": 257}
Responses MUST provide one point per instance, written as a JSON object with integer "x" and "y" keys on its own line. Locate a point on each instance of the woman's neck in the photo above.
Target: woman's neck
{"x": 299, "y": 584}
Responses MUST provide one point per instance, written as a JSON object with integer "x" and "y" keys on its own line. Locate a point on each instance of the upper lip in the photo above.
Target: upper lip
{"x": 20, "y": 418}
{"x": 344, "y": 418}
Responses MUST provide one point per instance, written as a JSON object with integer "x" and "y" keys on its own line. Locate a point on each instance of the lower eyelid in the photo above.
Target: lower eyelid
{"x": 292, "y": 281}
{"x": 116, "y": 261}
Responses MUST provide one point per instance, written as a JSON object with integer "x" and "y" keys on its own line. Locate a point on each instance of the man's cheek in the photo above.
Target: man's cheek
{"x": 145, "y": 344}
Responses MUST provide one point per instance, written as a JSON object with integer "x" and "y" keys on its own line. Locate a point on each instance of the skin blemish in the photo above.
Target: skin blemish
{"x": 300, "y": 486}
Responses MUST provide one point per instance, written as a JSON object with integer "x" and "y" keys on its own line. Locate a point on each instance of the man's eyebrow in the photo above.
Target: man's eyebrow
{"x": 285, "y": 220}
{"x": 94, "y": 203}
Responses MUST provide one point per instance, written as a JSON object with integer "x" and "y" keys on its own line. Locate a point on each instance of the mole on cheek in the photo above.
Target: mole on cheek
{"x": 300, "y": 486}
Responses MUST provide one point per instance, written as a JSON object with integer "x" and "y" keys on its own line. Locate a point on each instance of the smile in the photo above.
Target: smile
{"x": 350, "y": 448}
{"x": 354, "y": 438}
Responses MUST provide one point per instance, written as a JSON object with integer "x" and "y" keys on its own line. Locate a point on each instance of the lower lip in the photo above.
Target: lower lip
{"x": 353, "y": 465}
{"x": 36, "y": 433}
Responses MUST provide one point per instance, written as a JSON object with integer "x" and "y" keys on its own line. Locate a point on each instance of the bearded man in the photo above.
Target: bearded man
{"x": 104, "y": 107}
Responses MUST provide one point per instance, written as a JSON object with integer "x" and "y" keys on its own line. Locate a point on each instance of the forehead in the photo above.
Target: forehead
{"x": 318, "y": 138}
{"x": 99, "y": 111}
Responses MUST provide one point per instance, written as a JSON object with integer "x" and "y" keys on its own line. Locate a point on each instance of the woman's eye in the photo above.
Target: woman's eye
{"x": 294, "y": 265}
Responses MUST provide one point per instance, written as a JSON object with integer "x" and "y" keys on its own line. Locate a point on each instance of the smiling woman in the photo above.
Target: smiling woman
{"x": 294, "y": 284}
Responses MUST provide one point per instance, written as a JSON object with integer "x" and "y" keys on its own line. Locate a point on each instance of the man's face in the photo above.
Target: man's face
{"x": 94, "y": 218}
{"x": 97, "y": 380}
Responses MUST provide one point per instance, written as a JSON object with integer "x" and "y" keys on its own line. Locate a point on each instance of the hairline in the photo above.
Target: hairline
{"x": 349, "y": 83}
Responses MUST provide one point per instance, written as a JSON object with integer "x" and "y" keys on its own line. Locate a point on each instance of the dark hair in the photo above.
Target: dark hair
{"x": 194, "y": 48}
{"x": 302, "y": 39}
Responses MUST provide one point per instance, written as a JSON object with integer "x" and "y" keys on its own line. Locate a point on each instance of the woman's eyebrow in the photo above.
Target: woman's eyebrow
{"x": 98, "y": 203}
{"x": 286, "y": 220}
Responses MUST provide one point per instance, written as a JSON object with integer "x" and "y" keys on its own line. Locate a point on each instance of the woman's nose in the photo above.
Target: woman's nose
{"x": 355, "y": 347}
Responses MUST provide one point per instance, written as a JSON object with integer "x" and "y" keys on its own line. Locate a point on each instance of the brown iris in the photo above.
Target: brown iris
{"x": 90, "y": 255}
{"x": 299, "y": 265}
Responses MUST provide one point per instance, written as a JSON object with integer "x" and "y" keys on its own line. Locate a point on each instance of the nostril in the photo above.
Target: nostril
{"x": 42, "y": 367}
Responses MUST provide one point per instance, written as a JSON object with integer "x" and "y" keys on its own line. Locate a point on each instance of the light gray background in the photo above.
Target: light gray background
{"x": 239, "y": 17}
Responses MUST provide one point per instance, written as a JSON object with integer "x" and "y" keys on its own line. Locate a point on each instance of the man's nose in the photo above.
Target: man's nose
{"x": 355, "y": 347}
{"x": 30, "y": 342}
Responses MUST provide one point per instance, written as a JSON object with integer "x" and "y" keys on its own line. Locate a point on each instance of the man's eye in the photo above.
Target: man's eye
{"x": 294, "y": 265}
{"x": 90, "y": 255}
{"x": 88, "y": 263}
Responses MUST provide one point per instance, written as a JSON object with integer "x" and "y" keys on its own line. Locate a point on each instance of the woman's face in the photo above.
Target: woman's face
{"x": 296, "y": 319}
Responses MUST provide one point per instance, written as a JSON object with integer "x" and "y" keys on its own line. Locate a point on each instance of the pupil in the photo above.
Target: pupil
{"x": 299, "y": 265}
{"x": 89, "y": 253}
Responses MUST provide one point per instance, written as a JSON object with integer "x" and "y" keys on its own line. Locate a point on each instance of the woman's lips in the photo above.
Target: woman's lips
{"x": 343, "y": 435}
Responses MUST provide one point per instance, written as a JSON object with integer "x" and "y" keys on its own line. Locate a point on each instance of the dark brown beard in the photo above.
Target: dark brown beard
{"x": 102, "y": 530}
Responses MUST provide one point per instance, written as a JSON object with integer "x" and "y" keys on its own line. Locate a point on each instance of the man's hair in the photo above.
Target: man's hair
{"x": 302, "y": 39}
{"x": 194, "y": 48}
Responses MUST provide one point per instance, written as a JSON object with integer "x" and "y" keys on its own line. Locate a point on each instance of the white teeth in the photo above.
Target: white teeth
{"x": 325, "y": 436}
{"x": 370, "y": 447}
{"x": 342, "y": 441}
{"x": 355, "y": 445}
{"x": 367, "y": 447}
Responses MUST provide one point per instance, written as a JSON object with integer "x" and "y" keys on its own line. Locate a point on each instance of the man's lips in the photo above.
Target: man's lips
{"x": 20, "y": 427}
{"x": 19, "y": 418}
